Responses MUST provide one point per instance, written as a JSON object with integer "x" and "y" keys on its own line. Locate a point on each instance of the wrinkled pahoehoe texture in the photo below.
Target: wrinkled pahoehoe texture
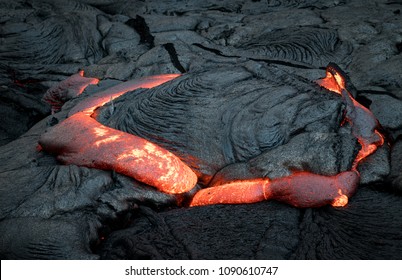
{"x": 245, "y": 107}
{"x": 213, "y": 123}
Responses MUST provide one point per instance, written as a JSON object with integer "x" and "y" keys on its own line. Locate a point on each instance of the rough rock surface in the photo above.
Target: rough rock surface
{"x": 246, "y": 107}
{"x": 243, "y": 116}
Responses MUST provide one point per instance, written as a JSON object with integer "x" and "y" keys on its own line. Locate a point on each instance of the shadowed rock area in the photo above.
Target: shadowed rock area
{"x": 246, "y": 106}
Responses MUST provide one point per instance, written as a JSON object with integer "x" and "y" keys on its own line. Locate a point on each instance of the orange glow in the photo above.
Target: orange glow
{"x": 98, "y": 131}
{"x": 368, "y": 148}
{"x": 364, "y": 124}
{"x": 330, "y": 83}
{"x": 79, "y": 83}
{"x": 242, "y": 191}
{"x": 340, "y": 80}
{"x": 109, "y": 139}
{"x": 302, "y": 189}
{"x": 82, "y": 141}
{"x": 89, "y": 105}
{"x": 341, "y": 200}
{"x": 69, "y": 88}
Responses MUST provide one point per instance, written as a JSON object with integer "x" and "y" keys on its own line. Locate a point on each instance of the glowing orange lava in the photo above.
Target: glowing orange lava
{"x": 242, "y": 191}
{"x": 341, "y": 200}
{"x": 302, "y": 189}
{"x": 83, "y": 141}
{"x": 71, "y": 87}
{"x": 99, "y": 99}
{"x": 368, "y": 148}
{"x": 330, "y": 83}
{"x": 364, "y": 124}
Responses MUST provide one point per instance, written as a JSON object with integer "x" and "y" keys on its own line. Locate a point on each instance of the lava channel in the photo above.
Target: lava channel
{"x": 305, "y": 189}
{"x": 83, "y": 141}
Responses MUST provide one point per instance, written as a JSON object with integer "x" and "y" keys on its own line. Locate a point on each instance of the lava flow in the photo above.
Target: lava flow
{"x": 304, "y": 189}
{"x": 99, "y": 99}
{"x": 71, "y": 87}
{"x": 83, "y": 141}
{"x": 363, "y": 122}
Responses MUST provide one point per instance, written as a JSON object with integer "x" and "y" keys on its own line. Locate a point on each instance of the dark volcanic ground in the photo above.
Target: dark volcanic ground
{"x": 259, "y": 58}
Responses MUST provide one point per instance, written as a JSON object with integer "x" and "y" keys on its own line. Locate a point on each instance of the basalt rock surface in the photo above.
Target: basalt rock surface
{"x": 245, "y": 107}
{"x": 245, "y": 117}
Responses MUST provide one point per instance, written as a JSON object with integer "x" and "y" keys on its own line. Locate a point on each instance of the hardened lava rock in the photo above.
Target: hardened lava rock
{"x": 246, "y": 107}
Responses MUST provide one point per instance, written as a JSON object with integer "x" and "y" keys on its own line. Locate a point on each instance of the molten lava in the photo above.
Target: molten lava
{"x": 81, "y": 140}
{"x": 330, "y": 83}
{"x": 69, "y": 88}
{"x": 236, "y": 192}
{"x": 363, "y": 122}
{"x": 101, "y": 98}
{"x": 302, "y": 189}
{"x": 306, "y": 189}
